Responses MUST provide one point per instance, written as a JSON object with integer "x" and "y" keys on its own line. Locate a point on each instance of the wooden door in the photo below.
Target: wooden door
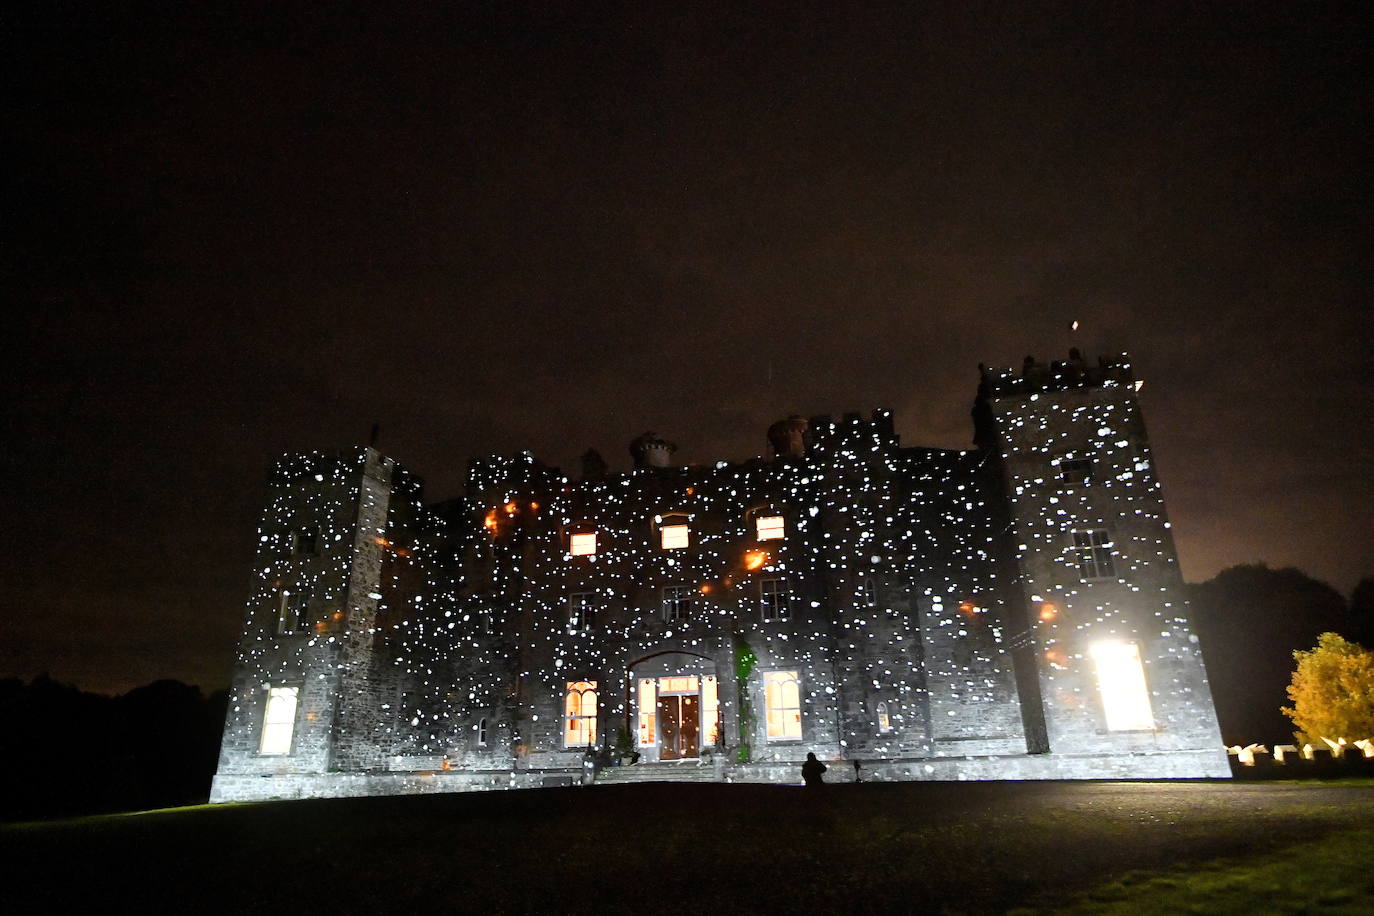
{"x": 669, "y": 719}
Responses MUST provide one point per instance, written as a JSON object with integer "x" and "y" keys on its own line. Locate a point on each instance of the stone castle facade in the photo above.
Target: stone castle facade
{"x": 1014, "y": 611}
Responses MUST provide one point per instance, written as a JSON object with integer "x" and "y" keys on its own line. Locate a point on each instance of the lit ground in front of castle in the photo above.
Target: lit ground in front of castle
{"x": 911, "y": 847}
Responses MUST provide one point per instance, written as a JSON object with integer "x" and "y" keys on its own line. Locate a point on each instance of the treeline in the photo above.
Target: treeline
{"x": 66, "y": 752}
{"x": 1249, "y": 621}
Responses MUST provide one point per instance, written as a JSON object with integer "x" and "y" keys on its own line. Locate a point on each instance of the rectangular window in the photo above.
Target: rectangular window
{"x": 679, "y": 602}
{"x": 1121, "y": 681}
{"x": 770, "y": 527}
{"x": 581, "y": 612}
{"x": 674, "y": 537}
{"x": 582, "y": 544}
{"x": 775, "y": 599}
{"x": 279, "y": 720}
{"x": 1076, "y": 470}
{"x": 782, "y": 700}
{"x": 1093, "y": 554}
{"x": 579, "y": 714}
{"x": 289, "y": 612}
{"x": 710, "y": 710}
{"x": 648, "y": 721}
{"x": 303, "y": 541}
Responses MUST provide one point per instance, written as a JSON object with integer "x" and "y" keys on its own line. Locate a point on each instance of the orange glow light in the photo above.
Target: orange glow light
{"x": 511, "y": 507}
{"x": 755, "y": 559}
{"x": 490, "y": 520}
{"x": 968, "y": 608}
{"x": 1048, "y": 611}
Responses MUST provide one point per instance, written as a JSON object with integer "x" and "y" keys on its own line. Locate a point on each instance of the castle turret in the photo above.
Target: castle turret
{"x": 1117, "y": 664}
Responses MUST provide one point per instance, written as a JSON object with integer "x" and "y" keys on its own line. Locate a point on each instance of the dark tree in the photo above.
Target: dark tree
{"x": 1250, "y": 620}
{"x": 67, "y": 752}
{"x": 1362, "y": 613}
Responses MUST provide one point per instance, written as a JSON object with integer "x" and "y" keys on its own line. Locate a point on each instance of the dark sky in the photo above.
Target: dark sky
{"x": 499, "y": 227}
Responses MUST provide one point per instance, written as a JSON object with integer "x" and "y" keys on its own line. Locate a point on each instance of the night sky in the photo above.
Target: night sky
{"x": 500, "y": 227}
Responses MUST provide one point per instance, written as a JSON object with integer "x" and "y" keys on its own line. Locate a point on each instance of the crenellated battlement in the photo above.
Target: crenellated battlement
{"x": 1035, "y": 377}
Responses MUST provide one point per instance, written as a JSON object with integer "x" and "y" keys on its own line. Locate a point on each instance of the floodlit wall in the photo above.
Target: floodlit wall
{"x": 1012, "y": 611}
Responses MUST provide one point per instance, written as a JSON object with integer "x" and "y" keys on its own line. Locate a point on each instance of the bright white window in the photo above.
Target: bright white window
{"x": 674, "y": 537}
{"x": 1121, "y": 681}
{"x": 482, "y": 732}
{"x": 579, "y": 718}
{"x": 884, "y": 719}
{"x": 279, "y": 720}
{"x": 648, "y": 720}
{"x": 775, "y": 599}
{"x": 782, "y": 699}
{"x": 582, "y": 544}
{"x": 1093, "y": 554}
{"x": 770, "y": 527}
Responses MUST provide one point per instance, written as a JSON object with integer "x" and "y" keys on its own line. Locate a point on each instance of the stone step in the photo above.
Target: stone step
{"x": 657, "y": 772}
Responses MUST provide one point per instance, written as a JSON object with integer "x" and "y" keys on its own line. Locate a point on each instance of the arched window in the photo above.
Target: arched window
{"x": 482, "y": 732}
{"x": 579, "y": 714}
{"x": 884, "y": 720}
{"x": 782, "y": 700}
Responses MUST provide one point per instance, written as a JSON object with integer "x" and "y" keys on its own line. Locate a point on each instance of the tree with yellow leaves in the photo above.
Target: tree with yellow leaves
{"x": 1332, "y": 691}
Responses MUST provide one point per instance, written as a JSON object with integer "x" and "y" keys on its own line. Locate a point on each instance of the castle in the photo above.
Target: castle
{"x": 1013, "y": 611}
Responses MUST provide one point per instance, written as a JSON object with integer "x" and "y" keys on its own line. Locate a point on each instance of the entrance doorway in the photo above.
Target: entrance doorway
{"x": 678, "y": 724}
{"x": 675, "y": 709}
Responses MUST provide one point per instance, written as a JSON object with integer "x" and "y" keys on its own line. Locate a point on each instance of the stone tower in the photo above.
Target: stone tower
{"x": 303, "y": 694}
{"x": 1117, "y": 670}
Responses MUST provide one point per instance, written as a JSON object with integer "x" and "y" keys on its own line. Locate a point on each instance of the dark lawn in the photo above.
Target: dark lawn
{"x": 879, "y": 848}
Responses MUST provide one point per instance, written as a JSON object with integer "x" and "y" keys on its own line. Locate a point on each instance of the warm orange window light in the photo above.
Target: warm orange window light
{"x": 648, "y": 706}
{"x": 1048, "y": 611}
{"x": 674, "y": 536}
{"x": 579, "y": 714}
{"x": 755, "y": 559}
{"x": 782, "y": 700}
{"x": 582, "y": 545}
{"x": 771, "y": 527}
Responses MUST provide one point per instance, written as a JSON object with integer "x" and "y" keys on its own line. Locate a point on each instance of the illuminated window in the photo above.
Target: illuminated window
{"x": 679, "y": 602}
{"x": 482, "y": 732}
{"x": 884, "y": 720}
{"x": 1121, "y": 681}
{"x": 770, "y": 527}
{"x": 710, "y": 709}
{"x": 775, "y": 599}
{"x": 782, "y": 699}
{"x": 674, "y": 537}
{"x": 303, "y": 541}
{"x": 279, "y": 720}
{"x": 1076, "y": 470}
{"x": 648, "y": 704}
{"x": 581, "y": 612}
{"x": 582, "y": 544}
{"x": 1093, "y": 553}
{"x": 579, "y": 714}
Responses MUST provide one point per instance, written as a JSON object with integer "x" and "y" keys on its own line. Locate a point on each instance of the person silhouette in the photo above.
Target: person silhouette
{"x": 812, "y": 770}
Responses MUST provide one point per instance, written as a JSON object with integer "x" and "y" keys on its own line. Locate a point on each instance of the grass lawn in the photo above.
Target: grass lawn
{"x": 1330, "y": 875}
{"x": 872, "y": 848}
